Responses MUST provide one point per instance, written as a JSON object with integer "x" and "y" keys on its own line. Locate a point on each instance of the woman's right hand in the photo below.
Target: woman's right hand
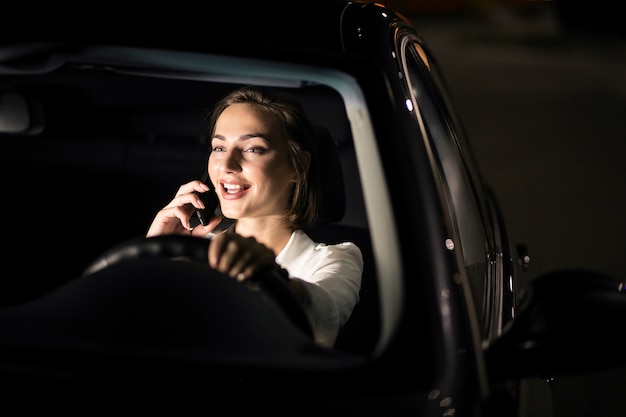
{"x": 174, "y": 218}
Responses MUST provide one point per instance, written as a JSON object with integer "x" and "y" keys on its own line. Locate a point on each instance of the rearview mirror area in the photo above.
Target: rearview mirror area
{"x": 569, "y": 321}
{"x": 20, "y": 114}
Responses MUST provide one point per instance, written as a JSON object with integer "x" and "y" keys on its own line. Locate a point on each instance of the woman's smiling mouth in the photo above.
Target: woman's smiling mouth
{"x": 233, "y": 189}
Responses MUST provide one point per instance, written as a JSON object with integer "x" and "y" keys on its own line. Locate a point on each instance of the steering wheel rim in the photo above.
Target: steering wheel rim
{"x": 195, "y": 249}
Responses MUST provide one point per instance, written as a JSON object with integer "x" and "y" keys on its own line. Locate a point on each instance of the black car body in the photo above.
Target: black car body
{"x": 102, "y": 125}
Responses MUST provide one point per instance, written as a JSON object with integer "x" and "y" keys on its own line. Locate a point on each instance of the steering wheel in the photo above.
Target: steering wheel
{"x": 270, "y": 281}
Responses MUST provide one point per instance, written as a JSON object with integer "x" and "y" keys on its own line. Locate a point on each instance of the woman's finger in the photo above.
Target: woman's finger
{"x": 237, "y": 256}
{"x": 191, "y": 186}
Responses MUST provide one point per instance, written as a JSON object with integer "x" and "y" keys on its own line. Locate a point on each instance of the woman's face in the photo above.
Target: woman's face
{"x": 249, "y": 163}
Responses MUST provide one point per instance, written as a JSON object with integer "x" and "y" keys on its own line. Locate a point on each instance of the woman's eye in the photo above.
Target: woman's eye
{"x": 217, "y": 149}
{"x": 258, "y": 150}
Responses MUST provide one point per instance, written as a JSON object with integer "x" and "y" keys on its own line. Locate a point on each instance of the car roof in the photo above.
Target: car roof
{"x": 260, "y": 29}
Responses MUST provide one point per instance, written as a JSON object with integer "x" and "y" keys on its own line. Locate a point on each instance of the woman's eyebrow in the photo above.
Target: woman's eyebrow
{"x": 255, "y": 135}
{"x": 246, "y": 136}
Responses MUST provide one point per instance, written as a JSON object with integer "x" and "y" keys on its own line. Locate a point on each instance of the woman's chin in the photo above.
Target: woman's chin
{"x": 230, "y": 213}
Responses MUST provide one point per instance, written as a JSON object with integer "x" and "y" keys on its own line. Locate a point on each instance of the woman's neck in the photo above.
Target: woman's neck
{"x": 273, "y": 233}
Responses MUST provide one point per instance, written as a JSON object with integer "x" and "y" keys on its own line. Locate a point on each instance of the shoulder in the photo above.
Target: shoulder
{"x": 342, "y": 249}
{"x": 303, "y": 248}
{"x": 303, "y": 240}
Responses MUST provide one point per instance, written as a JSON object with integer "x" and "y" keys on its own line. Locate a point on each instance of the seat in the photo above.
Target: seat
{"x": 360, "y": 334}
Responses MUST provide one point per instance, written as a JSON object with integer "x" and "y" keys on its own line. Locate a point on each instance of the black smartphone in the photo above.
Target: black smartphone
{"x": 210, "y": 200}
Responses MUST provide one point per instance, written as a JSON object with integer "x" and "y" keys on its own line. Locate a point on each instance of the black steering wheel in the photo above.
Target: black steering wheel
{"x": 191, "y": 248}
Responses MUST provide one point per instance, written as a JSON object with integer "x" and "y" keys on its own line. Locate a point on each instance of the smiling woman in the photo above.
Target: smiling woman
{"x": 191, "y": 326}
{"x": 263, "y": 167}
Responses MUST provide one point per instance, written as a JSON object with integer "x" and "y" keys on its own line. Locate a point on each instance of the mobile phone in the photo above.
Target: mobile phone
{"x": 210, "y": 200}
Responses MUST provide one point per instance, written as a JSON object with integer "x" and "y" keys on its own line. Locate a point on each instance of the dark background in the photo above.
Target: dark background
{"x": 542, "y": 95}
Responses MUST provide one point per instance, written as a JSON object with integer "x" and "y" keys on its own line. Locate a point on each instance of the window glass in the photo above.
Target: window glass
{"x": 468, "y": 227}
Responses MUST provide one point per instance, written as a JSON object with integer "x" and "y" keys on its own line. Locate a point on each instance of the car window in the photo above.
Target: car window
{"x": 468, "y": 232}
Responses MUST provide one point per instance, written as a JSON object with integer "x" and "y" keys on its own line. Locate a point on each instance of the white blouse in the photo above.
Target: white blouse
{"x": 331, "y": 275}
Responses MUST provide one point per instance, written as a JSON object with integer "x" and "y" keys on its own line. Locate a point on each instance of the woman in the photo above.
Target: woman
{"x": 262, "y": 166}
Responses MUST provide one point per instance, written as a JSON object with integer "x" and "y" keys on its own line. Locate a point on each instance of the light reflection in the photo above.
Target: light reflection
{"x": 433, "y": 394}
{"x": 449, "y": 244}
{"x": 409, "y": 104}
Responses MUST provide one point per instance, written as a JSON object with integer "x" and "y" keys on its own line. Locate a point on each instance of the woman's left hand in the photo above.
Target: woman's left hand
{"x": 239, "y": 257}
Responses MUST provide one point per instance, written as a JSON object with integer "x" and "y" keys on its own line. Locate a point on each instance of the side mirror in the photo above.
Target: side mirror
{"x": 568, "y": 321}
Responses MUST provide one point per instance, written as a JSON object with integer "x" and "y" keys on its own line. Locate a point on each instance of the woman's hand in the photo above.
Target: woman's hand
{"x": 239, "y": 257}
{"x": 175, "y": 217}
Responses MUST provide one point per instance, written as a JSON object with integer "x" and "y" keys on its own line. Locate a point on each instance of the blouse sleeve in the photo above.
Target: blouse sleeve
{"x": 331, "y": 277}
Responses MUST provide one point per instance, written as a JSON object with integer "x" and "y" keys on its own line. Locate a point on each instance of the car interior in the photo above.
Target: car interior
{"x": 101, "y": 151}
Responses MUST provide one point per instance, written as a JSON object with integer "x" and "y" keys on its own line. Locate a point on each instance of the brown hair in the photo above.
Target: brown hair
{"x": 304, "y": 199}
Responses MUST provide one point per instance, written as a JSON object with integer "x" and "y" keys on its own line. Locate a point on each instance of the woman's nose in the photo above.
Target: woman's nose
{"x": 232, "y": 161}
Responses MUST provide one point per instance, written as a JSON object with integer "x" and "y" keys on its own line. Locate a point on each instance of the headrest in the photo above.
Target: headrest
{"x": 332, "y": 204}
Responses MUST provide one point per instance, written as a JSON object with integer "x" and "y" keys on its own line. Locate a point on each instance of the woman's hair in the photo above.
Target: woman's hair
{"x": 304, "y": 199}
